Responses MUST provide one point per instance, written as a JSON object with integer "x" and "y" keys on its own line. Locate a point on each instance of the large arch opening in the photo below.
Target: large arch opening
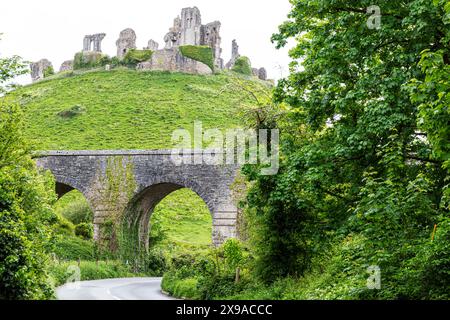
{"x": 166, "y": 216}
{"x": 180, "y": 221}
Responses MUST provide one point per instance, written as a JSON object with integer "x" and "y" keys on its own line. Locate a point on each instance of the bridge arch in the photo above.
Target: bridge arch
{"x": 64, "y": 185}
{"x": 154, "y": 176}
{"x": 137, "y": 215}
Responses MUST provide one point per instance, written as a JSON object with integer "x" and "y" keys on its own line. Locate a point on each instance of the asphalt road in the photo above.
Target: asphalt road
{"x": 113, "y": 289}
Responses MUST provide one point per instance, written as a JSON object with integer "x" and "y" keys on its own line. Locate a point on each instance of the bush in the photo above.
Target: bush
{"x": 156, "y": 263}
{"x": 202, "y": 54}
{"x": 207, "y": 276}
{"x": 115, "y": 62}
{"x": 104, "y": 60}
{"x": 85, "y": 230}
{"x": 427, "y": 274}
{"x": 243, "y": 66}
{"x": 133, "y": 57}
{"x": 180, "y": 288}
{"x": 26, "y": 216}
{"x": 88, "y": 60}
{"x": 72, "y": 112}
{"x": 89, "y": 270}
{"x": 49, "y": 72}
{"x": 73, "y": 248}
{"x": 64, "y": 227}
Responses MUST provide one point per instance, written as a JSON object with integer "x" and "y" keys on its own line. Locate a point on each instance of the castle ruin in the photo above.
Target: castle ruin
{"x": 95, "y": 39}
{"x": 187, "y": 30}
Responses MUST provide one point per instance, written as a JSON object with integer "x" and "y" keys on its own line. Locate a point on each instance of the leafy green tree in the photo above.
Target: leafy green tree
{"x": 365, "y": 143}
{"x": 9, "y": 69}
{"x": 25, "y": 205}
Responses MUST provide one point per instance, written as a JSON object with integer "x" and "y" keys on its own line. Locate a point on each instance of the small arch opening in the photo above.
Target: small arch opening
{"x": 74, "y": 231}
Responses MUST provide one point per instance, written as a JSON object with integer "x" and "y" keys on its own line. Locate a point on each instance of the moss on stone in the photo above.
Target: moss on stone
{"x": 133, "y": 57}
{"x": 202, "y": 54}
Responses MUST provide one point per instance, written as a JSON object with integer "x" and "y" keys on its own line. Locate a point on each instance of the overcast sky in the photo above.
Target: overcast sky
{"x": 55, "y": 29}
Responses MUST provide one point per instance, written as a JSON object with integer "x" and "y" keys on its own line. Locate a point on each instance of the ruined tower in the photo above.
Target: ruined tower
{"x": 234, "y": 55}
{"x": 38, "y": 69}
{"x": 126, "y": 41}
{"x": 95, "y": 39}
{"x": 172, "y": 38}
{"x": 210, "y": 36}
{"x": 191, "y": 25}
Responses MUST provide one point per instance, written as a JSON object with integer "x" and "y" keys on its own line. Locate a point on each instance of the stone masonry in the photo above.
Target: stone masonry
{"x": 152, "y": 45}
{"x": 38, "y": 69}
{"x": 173, "y": 60}
{"x": 187, "y": 29}
{"x": 95, "y": 39}
{"x": 66, "y": 66}
{"x": 126, "y": 41}
{"x": 234, "y": 55}
{"x": 154, "y": 176}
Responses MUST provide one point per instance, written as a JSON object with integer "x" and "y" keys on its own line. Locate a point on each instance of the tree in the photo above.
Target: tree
{"x": 25, "y": 205}
{"x": 365, "y": 155}
{"x": 9, "y": 69}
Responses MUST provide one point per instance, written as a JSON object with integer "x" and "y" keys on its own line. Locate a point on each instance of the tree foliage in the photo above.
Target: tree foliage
{"x": 25, "y": 206}
{"x": 364, "y": 145}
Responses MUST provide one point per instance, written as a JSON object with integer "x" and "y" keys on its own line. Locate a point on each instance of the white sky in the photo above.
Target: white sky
{"x": 55, "y": 29}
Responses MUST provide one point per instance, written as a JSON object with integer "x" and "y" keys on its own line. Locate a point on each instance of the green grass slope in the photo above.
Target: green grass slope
{"x": 124, "y": 109}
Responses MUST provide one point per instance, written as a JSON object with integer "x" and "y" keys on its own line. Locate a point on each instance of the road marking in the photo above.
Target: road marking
{"x": 114, "y": 297}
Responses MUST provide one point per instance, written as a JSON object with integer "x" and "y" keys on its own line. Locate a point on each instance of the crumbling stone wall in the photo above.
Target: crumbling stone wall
{"x": 38, "y": 69}
{"x": 126, "y": 41}
{"x": 173, "y": 60}
{"x": 187, "y": 30}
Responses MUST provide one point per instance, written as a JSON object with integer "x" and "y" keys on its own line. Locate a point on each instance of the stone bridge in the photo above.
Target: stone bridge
{"x": 124, "y": 187}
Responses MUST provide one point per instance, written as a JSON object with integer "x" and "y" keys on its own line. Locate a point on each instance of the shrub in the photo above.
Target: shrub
{"x": 25, "y": 214}
{"x": 49, "y": 72}
{"x": 133, "y": 57}
{"x": 64, "y": 227}
{"x": 115, "y": 62}
{"x": 72, "y": 112}
{"x": 104, "y": 60}
{"x": 88, "y": 60}
{"x": 89, "y": 270}
{"x": 180, "y": 288}
{"x": 156, "y": 262}
{"x": 202, "y": 54}
{"x": 207, "y": 276}
{"x": 84, "y": 230}
{"x": 243, "y": 66}
{"x": 73, "y": 248}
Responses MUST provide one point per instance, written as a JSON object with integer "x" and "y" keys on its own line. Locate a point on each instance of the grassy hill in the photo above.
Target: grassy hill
{"x": 126, "y": 109}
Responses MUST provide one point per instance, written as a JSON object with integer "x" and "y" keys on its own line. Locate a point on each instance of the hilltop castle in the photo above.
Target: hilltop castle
{"x": 187, "y": 30}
